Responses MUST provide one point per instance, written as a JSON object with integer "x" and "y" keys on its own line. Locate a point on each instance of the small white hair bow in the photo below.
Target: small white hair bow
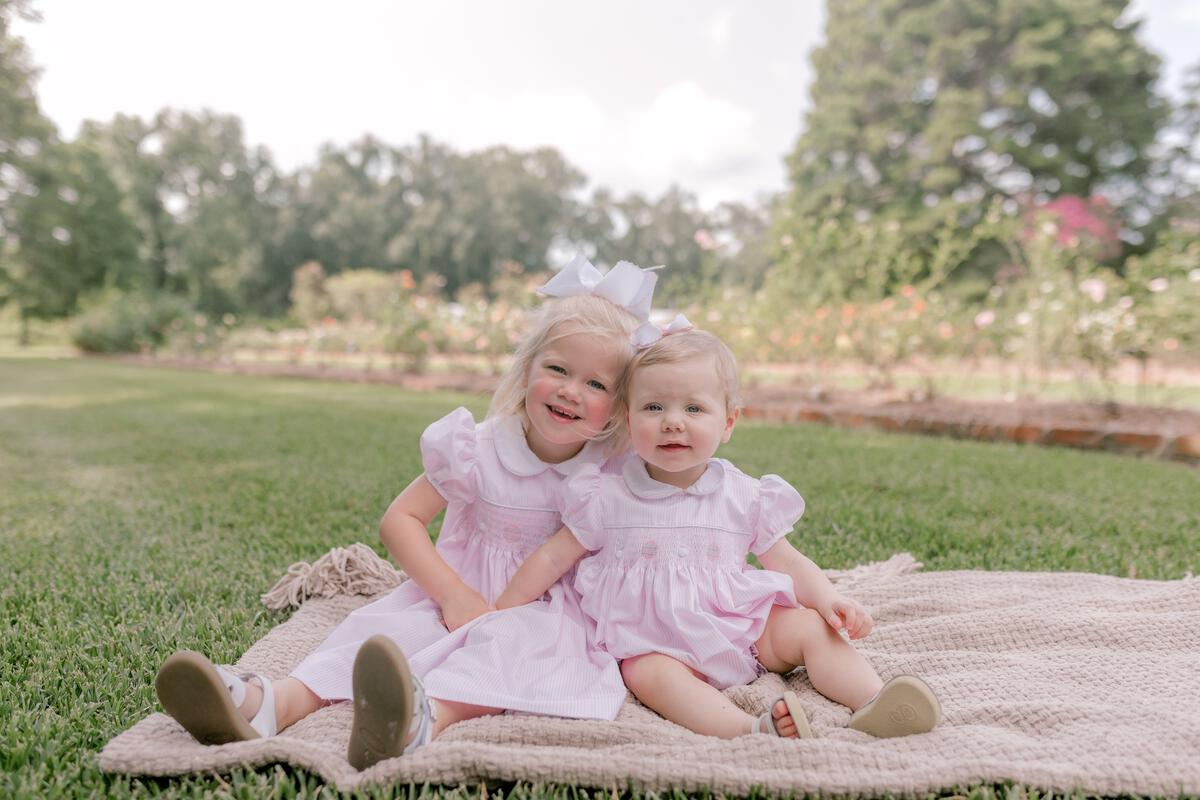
{"x": 648, "y": 333}
{"x": 627, "y": 285}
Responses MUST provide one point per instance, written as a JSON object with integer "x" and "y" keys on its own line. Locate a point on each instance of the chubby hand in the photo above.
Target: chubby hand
{"x": 847, "y": 614}
{"x": 462, "y": 609}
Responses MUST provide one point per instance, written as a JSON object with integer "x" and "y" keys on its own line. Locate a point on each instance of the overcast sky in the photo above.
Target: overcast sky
{"x": 704, "y": 93}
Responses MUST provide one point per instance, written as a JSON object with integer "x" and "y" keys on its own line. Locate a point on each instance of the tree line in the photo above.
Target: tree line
{"x": 924, "y": 113}
{"x": 181, "y": 204}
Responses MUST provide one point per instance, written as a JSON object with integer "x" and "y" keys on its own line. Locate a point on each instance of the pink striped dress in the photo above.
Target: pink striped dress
{"x": 668, "y": 573}
{"x": 501, "y": 504}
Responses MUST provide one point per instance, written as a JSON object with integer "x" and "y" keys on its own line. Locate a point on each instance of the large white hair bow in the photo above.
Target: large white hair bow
{"x": 648, "y": 333}
{"x": 627, "y": 285}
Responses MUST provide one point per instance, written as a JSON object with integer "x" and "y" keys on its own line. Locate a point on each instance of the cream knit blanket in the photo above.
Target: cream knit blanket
{"x": 1058, "y": 681}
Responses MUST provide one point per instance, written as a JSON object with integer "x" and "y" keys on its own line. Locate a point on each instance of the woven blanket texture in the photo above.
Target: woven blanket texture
{"x": 1059, "y": 681}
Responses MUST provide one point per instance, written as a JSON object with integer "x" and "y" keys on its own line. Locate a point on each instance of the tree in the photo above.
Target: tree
{"x": 205, "y": 206}
{"x": 741, "y": 234}
{"x": 213, "y": 188}
{"x": 24, "y": 130}
{"x": 651, "y": 232}
{"x": 1174, "y": 194}
{"x": 924, "y": 103}
{"x": 131, "y": 148}
{"x": 473, "y": 213}
{"x": 24, "y": 134}
{"x": 73, "y": 236}
{"x": 343, "y": 211}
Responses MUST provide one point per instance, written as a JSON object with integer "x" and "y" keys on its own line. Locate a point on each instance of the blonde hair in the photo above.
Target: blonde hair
{"x": 559, "y": 317}
{"x": 673, "y": 349}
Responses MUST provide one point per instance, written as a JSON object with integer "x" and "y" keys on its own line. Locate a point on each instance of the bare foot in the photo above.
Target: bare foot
{"x": 783, "y": 720}
{"x": 787, "y": 718}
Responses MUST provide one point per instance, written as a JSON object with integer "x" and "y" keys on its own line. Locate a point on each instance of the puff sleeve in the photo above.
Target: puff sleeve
{"x": 448, "y": 454}
{"x": 779, "y": 507}
{"x": 579, "y": 502}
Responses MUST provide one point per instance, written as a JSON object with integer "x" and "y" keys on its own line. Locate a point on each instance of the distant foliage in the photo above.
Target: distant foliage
{"x": 128, "y": 323}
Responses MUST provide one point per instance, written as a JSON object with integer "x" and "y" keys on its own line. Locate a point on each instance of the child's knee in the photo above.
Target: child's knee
{"x": 644, "y": 671}
{"x": 811, "y": 623}
{"x": 793, "y": 630}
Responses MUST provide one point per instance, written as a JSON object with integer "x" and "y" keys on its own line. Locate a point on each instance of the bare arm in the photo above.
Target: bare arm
{"x": 403, "y": 530}
{"x": 814, "y": 590}
{"x": 543, "y": 567}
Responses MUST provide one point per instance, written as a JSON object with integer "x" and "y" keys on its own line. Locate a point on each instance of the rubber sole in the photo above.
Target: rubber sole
{"x": 904, "y": 706}
{"x": 192, "y": 692}
{"x": 383, "y": 703}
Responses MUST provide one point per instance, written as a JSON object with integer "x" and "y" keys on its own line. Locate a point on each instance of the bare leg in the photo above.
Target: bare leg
{"x": 293, "y": 701}
{"x": 798, "y": 636}
{"x": 679, "y": 694}
{"x": 449, "y": 712}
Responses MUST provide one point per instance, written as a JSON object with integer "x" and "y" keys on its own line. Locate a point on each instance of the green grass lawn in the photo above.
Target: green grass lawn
{"x": 142, "y": 510}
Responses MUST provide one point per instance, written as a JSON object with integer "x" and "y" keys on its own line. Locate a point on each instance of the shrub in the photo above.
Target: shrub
{"x": 127, "y": 323}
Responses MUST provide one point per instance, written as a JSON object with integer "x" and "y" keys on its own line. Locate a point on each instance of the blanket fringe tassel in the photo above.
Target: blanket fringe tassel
{"x": 356, "y": 569}
{"x": 894, "y": 567}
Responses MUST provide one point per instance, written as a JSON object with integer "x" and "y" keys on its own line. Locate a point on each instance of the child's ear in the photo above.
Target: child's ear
{"x": 730, "y": 421}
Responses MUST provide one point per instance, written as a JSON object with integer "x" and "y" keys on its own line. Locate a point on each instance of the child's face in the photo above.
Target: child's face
{"x": 677, "y": 419}
{"x": 569, "y": 394}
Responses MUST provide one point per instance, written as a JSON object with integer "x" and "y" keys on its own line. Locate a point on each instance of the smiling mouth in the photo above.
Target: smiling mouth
{"x": 561, "y": 413}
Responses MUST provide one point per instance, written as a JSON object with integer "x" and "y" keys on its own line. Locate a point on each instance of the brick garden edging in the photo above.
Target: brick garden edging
{"x": 1171, "y": 433}
{"x": 1153, "y": 431}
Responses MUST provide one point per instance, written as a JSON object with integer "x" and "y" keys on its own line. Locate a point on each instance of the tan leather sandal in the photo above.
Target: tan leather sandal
{"x": 905, "y": 705}
{"x": 766, "y": 722}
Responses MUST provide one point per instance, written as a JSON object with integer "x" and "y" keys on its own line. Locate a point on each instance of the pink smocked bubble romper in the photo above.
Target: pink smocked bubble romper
{"x": 668, "y": 572}
{"x": 501, "y": 505}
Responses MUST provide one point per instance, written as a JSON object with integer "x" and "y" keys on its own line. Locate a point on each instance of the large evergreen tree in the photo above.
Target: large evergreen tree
{"x": 917, "y": 104}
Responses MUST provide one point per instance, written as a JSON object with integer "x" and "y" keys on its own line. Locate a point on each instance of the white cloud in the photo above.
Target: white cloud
{"x": 685, "y": 133}
{"x": 683, "y": 136}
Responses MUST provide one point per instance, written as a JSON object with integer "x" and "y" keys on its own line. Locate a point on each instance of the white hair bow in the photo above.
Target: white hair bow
{"x": 648, "y": 333}
{"x": 627, "y": 285}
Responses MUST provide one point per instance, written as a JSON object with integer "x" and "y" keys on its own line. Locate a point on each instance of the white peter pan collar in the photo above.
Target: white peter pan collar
{"x": 517, "y": 458}
{"x": 641, "y": 484}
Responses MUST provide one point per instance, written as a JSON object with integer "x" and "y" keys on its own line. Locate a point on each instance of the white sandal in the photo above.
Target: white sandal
{"x": 388, "y": 702}
{"x": 206, "y": 699}
{"x": 766, "y": 722}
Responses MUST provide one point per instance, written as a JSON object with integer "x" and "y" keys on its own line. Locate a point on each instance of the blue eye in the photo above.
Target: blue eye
{"x": 652, "y": 407}
{"x": 597, "y": 385}
{"x": 694, "y": 409}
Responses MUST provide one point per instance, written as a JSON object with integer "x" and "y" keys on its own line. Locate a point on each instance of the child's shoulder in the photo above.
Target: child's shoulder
{"x": 736, "y": 476}
{"x": 459, "y": 420}
{"x": 738, "y": 482}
